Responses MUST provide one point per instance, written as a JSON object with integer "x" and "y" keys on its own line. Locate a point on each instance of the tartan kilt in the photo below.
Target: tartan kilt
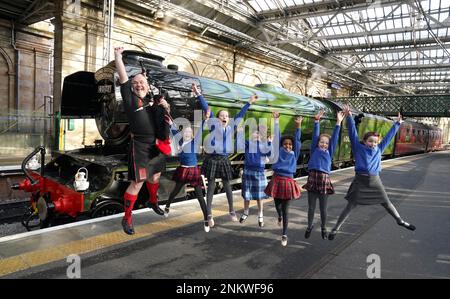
{"x": 319, "y": 182}
{"x": 188, "y": 175}
{"x": 144, "y": 159}
{"x": 253, "y": 185}
{"x": 216, "y": 166}
{"x": 283, "y": 188}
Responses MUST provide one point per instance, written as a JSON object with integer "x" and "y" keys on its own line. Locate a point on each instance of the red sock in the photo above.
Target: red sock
{"x": 129, "y": 200}
{"x": 153, "y": 191}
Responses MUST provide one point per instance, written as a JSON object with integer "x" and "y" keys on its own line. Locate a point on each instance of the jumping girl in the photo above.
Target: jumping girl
{"x": 319, "y": 166}
{"x": 188, "y": 172}
{"x": 367, "y": 188}
{"x": 282, "y": 186}
{"x": 254, "y": 181}
{"x": 219, "y": 147}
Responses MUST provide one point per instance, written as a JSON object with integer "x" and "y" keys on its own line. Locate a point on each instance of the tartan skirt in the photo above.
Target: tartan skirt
{"x": 319, "y": 182}
{"x": 283, "y": 188}
{"x": 253, "y": 185}
{"x": 188, "y": 175}
{"x": 144, "y": 159}
{"x": 216, "y": 166}
{"x": 367, "y": 190}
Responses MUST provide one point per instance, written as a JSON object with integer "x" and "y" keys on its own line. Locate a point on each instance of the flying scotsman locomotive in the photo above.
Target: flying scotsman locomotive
{"x": 92, "y": 180}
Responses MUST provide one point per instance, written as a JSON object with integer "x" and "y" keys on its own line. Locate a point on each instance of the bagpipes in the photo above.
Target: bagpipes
{"x": 165, "y": 145}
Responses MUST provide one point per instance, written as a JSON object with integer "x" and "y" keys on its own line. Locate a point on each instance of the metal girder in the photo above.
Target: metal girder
{"x": 309, "y": 10}
{"x": 385, "y": 51}
{"x": 245, "y": 40}
{"x": 378, "y": 47}
{"x": 417, "y": 84}
{"x": 408, "y": 105}
{"x": 377, "y": 32}
{"x": 400, "y": 67}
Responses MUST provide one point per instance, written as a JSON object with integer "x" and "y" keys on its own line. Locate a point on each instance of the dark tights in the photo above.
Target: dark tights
{"x": 282, "y": 206}
{"x": 351, "y": 205}
{"x": 210, "y": 194}
{"x": 312, "y": 199}
{"x": 198, "y": 193}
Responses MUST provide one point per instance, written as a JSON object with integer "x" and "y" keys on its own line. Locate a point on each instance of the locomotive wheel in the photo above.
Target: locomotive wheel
{"x": 106, "y": 208}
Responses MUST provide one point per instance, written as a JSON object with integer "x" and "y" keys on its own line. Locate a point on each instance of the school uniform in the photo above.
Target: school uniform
{"x": 319, "y": 165}
{"x": 282, "y": 185}
{"x": 254, "y": 180}
{"x": 188, "y": 172}
{"x": 219, "y": 146}
{"x": 367, "y": 188}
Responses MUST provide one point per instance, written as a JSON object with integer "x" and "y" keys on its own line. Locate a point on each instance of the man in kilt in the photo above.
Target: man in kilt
{"x": 148, "y": 123}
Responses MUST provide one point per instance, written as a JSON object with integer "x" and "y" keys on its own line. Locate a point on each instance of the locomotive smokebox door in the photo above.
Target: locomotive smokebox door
{"x": 79, "y": 96}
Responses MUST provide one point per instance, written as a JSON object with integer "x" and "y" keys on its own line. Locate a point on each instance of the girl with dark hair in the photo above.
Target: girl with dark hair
{"x": 367, "y": 188}
{"x": 282, "y": 186}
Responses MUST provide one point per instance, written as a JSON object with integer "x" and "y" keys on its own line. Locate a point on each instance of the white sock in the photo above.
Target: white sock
{"x": 261, "y": 214}
{"x": 246, "y": 211}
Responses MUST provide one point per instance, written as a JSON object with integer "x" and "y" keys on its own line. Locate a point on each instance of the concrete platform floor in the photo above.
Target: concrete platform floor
{"x": 177, "y": 246}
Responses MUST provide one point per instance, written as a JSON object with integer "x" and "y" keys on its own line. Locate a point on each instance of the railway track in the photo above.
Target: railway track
{"x": 12, "y": 212}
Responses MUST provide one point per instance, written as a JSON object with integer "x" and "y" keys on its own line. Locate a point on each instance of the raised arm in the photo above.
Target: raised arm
{"x": 202, "y": 100}
{"x": 276, "y": 129}
{"x": 198, "y": 138}
{"x": 238, "y": 118}
{"x": 390, "y": 134}
{"x": 352, "y": 133}
{"x": 334, "y": 138}
{"x": 316, "y": 132}
{"x": 241, "y": 144}
{"x": 120, "y": 66}
{"x": 298, "y": 135}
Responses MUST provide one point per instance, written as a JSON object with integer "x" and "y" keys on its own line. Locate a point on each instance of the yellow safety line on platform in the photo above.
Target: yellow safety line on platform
{"x": 60, "y": 252}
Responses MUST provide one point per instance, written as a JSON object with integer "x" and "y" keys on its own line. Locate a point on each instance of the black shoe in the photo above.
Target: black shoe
{"x": 332, "y": 235}
{"x": 308, "y": 232}
{"x": 243, "y": 218}
{"x": 155, "y": 208}
{"x": 406, "y": 225}
{"x": 127, "y": 228}
{"x": 324, "y": 234}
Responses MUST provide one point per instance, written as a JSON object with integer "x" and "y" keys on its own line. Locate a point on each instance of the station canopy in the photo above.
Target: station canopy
{"x": 382, "y": 47}
{"x": 379, "y": 47}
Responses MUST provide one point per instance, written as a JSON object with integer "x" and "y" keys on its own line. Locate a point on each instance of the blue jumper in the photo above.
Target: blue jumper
{"x": 320, "y": 160}
{"x": 287, "y": 161}
{"x": 255, "y": 152}
{"x": 368, "y": 160}
{"x": 187, "y": 153}
{"x": 223, "y": 136}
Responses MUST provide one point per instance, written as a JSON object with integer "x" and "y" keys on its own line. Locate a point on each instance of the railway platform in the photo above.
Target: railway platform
{"x": 178, "y": 247}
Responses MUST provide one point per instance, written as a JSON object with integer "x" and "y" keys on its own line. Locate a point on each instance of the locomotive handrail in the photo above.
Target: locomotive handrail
{"x": 25, "y": 161}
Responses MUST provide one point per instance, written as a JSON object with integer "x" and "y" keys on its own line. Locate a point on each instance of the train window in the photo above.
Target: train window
{"x": 414, "y": 131}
